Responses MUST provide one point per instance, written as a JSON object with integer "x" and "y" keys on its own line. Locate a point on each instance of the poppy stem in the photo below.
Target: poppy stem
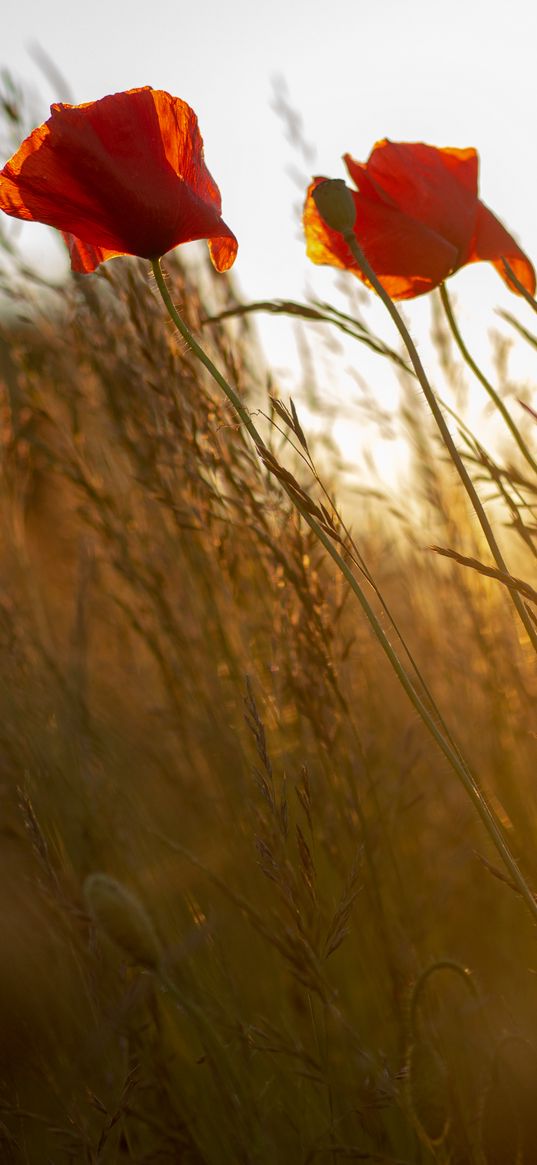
{"x": 358, "y": 255}
{"x": 198, "y": 351}
{"x": 457, "y": 762}
{"x": 495, "y": 398}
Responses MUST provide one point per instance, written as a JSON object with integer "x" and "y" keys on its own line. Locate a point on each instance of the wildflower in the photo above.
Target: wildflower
{"x": 418, "y": 220}
{"x": 121, "y": 176}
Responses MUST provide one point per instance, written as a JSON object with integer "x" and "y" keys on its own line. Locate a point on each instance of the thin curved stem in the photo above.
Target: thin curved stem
{"x": 358, "y": 255}
{"x": 479, "y": 800}
{"x": 480, "y": 376}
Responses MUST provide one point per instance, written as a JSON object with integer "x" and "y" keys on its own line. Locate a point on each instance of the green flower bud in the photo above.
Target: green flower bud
{"x": 335, "y": 204}
{"x": 123, "y": 919}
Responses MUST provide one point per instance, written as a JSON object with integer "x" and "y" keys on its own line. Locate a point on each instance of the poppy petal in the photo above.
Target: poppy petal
{"x": 408, "y": 257}
{"x": 183, "y": 145}
{"x": 223, "y": 252}
{"x": 84, "y": 256}
{"x": 57, "y": 177}
{"x": 493, "y": 242}
{"x": 365, "y": 182}
{"x": 437, "y": 187}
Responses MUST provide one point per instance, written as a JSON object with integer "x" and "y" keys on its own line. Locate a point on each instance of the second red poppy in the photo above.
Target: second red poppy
{"x": 418, "y": 220}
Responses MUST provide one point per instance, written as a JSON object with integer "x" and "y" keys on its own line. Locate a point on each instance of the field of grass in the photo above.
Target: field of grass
{"x": 248, "y": 914}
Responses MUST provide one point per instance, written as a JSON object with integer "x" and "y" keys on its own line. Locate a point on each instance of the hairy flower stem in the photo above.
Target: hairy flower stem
{"x": 358, "y": 255}
{"x": 489, "y": 389}
{"x": 486, "y": 813}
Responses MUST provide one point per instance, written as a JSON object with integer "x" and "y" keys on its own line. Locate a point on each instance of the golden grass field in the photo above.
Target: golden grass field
{"x": 248, "y": 915}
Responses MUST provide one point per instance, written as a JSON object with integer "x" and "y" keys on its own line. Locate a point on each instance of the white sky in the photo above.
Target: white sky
{"x": 460, "y": 74}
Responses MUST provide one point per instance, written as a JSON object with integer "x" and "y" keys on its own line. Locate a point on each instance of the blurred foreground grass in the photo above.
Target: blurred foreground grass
{"x": 314, "y": 957}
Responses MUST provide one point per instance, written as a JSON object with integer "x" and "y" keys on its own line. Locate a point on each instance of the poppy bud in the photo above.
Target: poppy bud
{"x": 335, "y": 204}
{"x": 123, "y": 919}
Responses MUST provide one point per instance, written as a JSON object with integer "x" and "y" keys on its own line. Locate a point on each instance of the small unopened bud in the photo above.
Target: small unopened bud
{"x": 335, "y": 204}
{"x": 123, "y": 919}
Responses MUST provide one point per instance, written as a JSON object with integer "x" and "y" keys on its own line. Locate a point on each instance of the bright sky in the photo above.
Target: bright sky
{"x": 460, "y": 73}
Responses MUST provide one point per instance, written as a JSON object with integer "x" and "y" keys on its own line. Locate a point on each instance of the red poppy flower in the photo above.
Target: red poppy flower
{"x": 124, "y": 176}
{"x": 418, "y": 219}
